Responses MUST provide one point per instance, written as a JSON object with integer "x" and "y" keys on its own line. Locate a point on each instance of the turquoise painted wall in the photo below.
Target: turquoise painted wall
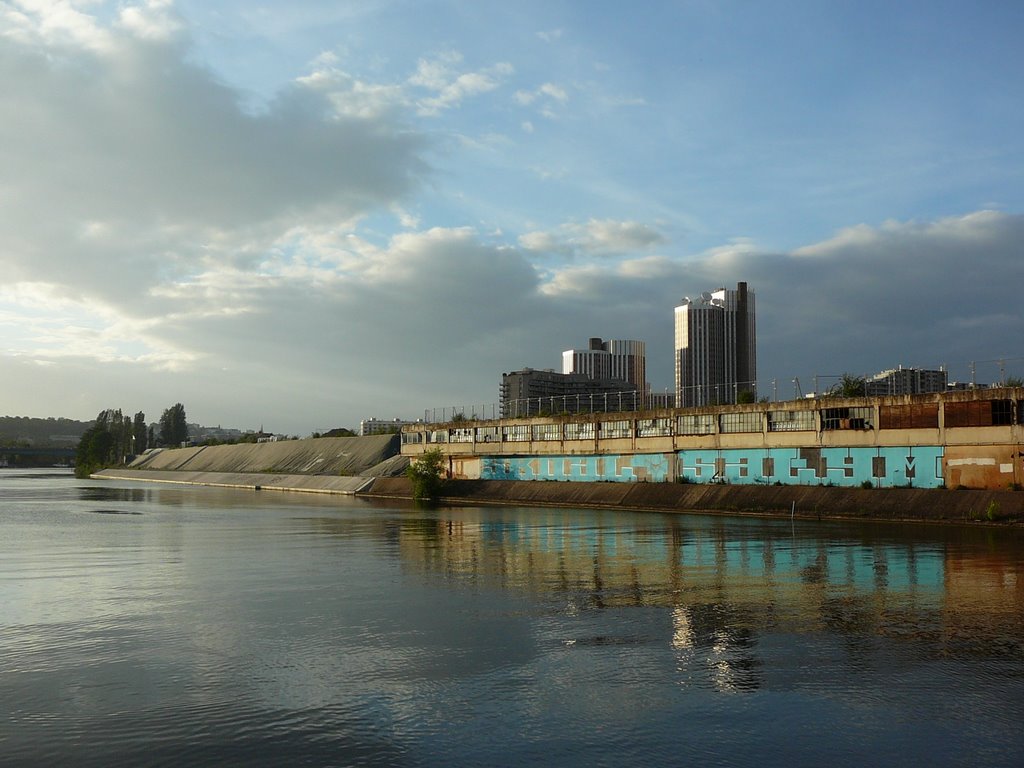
{"x": 920, "y": 466}
{"x": 650, "y": 467}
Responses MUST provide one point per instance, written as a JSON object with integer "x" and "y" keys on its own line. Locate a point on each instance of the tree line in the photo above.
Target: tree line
{"x": 116, "y": 438}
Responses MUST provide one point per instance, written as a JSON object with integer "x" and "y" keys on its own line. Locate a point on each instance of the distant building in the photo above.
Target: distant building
{"x": 531, "y": 392}
{"x": 198, "y": 433}
{"x": 906, "y": 381}
{"x": 383, "y": 426}
{"x": 716, "y": 347}
{"x": 624, "y": 360}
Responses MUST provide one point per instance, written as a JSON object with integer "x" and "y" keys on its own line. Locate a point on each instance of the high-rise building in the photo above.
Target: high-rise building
{"x": 716, "y": 347}
{"x": 624, "y": 360}
{"x": 906, "y": 381}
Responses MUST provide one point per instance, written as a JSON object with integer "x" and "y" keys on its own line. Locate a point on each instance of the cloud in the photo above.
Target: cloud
{"x": 162, "y": 243}
{"x": 547, "y": 96}
{"x": 152, "y": 20}
{"x": 451, "y": 87}
{"x": 923, "y": 293}
{"x": 125, "y": 166}
{"x": 597, "y": 237}
{"x": 441, "y": 77}
{"x": 55, "y": 23}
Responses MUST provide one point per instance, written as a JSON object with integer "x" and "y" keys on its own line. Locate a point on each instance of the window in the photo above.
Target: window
{"x": 487, "y": 435}
{"x": 412, "y": 438}
{"x": 1002, "y": 412}
{"x": 847, "y": 418}
{"x": 979, "y": 413}
{"x": 915, "y": 416}
{"x": 654, "y": 427}
{"x": 740, "y": 422}
{"x": 790, "y": 421}
{"x": 461, "y": 435}
{"x": 615, "y": 429}
{"x": 547, "y": 431}
{"x": 517, "y": 433}
{"x": 578, "y": 431}
{"x": 695, "y": 424}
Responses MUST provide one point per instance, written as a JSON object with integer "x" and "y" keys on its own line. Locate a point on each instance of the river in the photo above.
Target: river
{"x": 162, "y": 625}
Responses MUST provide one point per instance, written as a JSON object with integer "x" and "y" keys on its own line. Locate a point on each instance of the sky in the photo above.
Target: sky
{"x": 302, "y": 214}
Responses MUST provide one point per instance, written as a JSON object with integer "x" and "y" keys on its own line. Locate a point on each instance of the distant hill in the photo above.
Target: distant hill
{"x": 41, "y": 433}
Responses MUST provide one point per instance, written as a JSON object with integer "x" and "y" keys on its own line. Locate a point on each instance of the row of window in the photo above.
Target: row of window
{"x": 975, "y": 413}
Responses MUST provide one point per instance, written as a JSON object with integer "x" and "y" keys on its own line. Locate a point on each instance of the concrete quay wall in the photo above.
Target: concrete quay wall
{"x": 997, "y": 507}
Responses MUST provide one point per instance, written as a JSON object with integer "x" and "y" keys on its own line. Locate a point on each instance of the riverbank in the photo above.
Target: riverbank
{"x": 372, "y": 467}
{"x": 816, "y": 502}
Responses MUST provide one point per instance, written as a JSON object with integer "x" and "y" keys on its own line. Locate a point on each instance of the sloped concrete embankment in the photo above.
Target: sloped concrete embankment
{"x": 246, "y": 480}
{"x": 901, "y": 504}
{"x": 349, "y": 456}
{"x": 316, "y": 465}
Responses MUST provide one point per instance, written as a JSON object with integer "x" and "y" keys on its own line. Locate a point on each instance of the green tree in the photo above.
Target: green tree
{"x": 849, "y": 386}
{"x": 173, "y": 426}
{"x": 103, "y": 444}
{"x": 427, "y": 475}
{"x": 140, "y": 433}
{"x": 1014, "y": 381}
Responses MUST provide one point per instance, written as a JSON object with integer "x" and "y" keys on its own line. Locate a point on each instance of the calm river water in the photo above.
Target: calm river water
{"x": 150, "y": 624}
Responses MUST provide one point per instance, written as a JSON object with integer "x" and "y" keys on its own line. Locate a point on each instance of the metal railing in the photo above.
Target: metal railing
{"x": 776, "y": 390}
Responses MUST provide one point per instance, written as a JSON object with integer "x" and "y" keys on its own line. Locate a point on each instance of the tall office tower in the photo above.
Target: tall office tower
{"x": 716, "y": 347}
{"x": 624, "y": 360}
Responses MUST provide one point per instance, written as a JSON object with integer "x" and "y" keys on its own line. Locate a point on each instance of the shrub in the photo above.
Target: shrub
{"x": 867, "y": 485}
{"x": 427, "y": 475}
{"x": 992, "y": 511}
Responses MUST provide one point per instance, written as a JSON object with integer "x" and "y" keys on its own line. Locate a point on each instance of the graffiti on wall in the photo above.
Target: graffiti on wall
{"x": 628, "y": 468}
{"x": 890, "y": 467}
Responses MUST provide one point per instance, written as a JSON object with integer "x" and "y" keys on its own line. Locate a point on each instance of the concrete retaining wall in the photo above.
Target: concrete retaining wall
{"x": 809, "y": 501}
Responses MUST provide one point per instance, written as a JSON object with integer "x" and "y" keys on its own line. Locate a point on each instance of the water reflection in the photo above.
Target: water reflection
{"x": 728, "y": 582}
{"x": 233, "y": 628}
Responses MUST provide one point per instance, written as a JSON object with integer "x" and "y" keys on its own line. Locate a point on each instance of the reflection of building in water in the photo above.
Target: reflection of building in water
{"x": 728, "y": 584}
{"x": 985, "y": 602}
{"x": 714, "y": 650}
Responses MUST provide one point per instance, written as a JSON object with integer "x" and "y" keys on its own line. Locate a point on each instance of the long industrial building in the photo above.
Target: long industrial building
{"x": 968, "y": 439}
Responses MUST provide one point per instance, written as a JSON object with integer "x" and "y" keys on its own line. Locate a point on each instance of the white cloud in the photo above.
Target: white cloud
{"x": 125, "y": 170}
{"x": 451, "y": 87}
{"x": 547, "y": 96}
{"x": 554, "y": 91}
{"x": 596, "y": 237}
{"x": 441, "y": 76}
{"x": 54, "y": 22}
{"x": 152, "y": 20}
